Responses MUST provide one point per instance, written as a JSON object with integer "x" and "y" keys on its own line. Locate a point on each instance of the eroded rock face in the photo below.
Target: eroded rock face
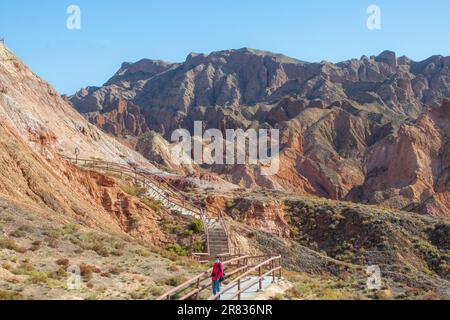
{"x": 258, "y": 213}
{"x": 245, "y": 77}
{"x": 411, "y": 169}
{"x": 38, "y": 114}
{"x": 265, "y": 216}
{"x": 125, "y": 118}
{"x": 347, "y": 129}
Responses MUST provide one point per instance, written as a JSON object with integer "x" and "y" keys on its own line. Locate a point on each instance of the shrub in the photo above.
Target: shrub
{"x": 155, "y": 291}
{"x": 152, "y": 204}
{"x": 8, "y": 295}
{"x": 143, "y": 253}
{"x": 23, "y": 269}
{"x": 86, "y": 272}
{"x": 63, "y": 262}
{"x": 11, "y": 245}
{"x": 177, "y": 249}
{"x": 37, "y": 277}
{"x": 229, "y": 204}
{"x": 52, "y": 243}
{"x": 196, "y": 226}
{"x": 130, "y": 190}
{"x": 70, "y": 229}
{"x": 173, "y": 281}
{"x": 115, "y": 270}
{"x": 59, "y": 274}
{"x": 3, "y": 89}
{"x": 20, "y": 232}
{"x": 235, "y": 213}
{"x": 89, "y": 241}
{"x": 36, "y": 245}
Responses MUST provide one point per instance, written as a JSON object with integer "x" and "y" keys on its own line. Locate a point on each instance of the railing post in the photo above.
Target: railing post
{"x": 239, "y": 289}
{"x": 198, "y": 289}
{"x": 272, "y": 266}
{"x": 260, "y": 278}
{"x": 279, "y": 264}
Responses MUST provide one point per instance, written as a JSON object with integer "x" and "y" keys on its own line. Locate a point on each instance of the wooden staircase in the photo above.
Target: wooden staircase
{"x": 171, "y": 199}
{"x": 218, "y": 240}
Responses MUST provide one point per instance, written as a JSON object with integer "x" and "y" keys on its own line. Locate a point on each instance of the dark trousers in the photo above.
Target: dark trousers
{"x": 216, "y": 287}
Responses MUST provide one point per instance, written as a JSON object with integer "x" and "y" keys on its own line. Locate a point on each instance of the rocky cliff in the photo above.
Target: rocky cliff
{"x": 41, "y": 115}
{"x": 350, "y": 130}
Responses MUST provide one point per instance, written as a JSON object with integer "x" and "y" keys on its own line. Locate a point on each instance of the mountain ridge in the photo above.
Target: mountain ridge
{"x": 331, "y": 116}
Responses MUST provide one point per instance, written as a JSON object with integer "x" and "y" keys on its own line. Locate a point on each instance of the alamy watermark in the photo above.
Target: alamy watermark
{"x": 74, "y": 20}
{"x": 251, "y": 147}
{"x": 374, "y": 279}
{"x": 74, "y": 278}
{"x": 374, "y": 19}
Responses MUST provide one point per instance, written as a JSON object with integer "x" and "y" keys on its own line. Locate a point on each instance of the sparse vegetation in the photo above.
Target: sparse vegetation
{"x": 196, "y": 226}
{"x": 9, "y": 295}
{"x": 130, "y": 189}
{"x": 152, "y": 204}
{"x": 11, "y": 245}
{"x": 173, "y": 281}
{"x": 20, "y": 232}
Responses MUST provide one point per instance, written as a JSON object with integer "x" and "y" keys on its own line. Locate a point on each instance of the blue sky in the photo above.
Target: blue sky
{"x": 116, "y": 31}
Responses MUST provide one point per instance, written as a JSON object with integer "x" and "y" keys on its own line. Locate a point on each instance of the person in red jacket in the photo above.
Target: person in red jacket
{"x": 217, "y": 276}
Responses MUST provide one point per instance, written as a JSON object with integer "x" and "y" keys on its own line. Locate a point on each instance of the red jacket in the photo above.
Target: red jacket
{"x": 217, "y": 271}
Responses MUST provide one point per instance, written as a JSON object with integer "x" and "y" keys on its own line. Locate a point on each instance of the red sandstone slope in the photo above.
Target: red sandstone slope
{"x": 36, "y": 125}
{"x": 59, "y": 190}
{"x": 35, "y": 110}
{"x": 412, "y": 169}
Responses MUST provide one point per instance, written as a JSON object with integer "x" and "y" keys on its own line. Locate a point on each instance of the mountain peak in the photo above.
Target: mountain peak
{"x": 387, "y": 57}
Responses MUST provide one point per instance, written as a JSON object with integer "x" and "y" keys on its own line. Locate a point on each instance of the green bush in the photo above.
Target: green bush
{"x": 152, "y": 204}
{"x": 198, "y": 246}
{"x": 130, "y": 190}
{"x": 196, "y": 226}
{"x": 177, "y": 249}
{"x": 173, "y": 281}
{"x": 8, "y": 295}
{"x": 11, "y": 245}
{"x": 37, "y": 277}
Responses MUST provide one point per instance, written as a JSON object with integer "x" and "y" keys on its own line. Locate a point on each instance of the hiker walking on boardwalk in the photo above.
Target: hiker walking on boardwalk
{"x": 217, "y": 276}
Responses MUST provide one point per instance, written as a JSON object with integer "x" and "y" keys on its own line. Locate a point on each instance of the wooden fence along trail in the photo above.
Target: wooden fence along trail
{"x": 241, "y": 275}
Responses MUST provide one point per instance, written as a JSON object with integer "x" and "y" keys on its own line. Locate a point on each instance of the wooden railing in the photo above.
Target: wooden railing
{"x": 149, "y": 180}
{"x": 194, "y": 287}
{"x": 271, "y": 266}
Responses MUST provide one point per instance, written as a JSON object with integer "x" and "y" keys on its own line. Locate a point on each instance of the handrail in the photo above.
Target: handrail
{"x": 198, "y": 284}
{"x": 146, "y": 184}
{"x": 174, "y": 199}
{"x": 219, "y": 212}
{"x": 197, "y": 279}
{"x": 110, "y": 166}
{"x": 238, "y": 280}
{"x": 146, "y": 173}
{"x": 148, "y": 181}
